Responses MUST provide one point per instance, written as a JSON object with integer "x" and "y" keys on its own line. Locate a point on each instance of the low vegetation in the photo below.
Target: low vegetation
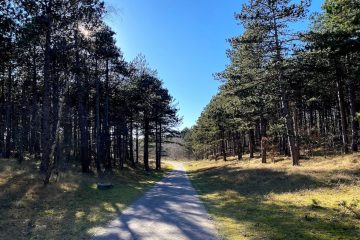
{"x": 67, "y": 209}
{"x": 249, "y": 200}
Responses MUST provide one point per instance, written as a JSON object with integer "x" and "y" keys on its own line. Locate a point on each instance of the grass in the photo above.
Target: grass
{"x": 67, "y": 209}
{"x": 248, "y": 200}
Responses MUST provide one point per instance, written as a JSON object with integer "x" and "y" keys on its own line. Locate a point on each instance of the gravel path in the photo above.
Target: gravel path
{"x": 168, "y": 211}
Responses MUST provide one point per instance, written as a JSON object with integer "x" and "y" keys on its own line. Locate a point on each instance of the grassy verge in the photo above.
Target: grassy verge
{"x": 318, "y": 200}
{"x": 67, "y": 209}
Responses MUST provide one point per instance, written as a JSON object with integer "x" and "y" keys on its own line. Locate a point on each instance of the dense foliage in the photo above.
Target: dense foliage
{"x": 68, "y": 96}
{"x": 286, "y": 92}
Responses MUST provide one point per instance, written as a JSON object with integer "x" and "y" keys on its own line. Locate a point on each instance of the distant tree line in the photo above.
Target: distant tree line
{"x": 68, "y": 96}
{"x": 286, "y": 92}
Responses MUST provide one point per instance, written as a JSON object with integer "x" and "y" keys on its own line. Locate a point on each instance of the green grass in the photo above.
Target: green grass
{"x": 67, "y": 209}
{"x": 249, "y": 200}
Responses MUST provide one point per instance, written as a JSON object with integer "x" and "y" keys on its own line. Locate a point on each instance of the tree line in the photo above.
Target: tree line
{"x": 286, "y": 91}
{"x": 67, "y": 94}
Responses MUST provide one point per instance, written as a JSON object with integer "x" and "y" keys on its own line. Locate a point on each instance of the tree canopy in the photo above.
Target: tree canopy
{"x": 68, "y": 95}
{"x": 284, "y": 91}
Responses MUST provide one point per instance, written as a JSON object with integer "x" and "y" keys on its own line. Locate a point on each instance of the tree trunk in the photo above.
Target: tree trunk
{"x": 223, "y": 146}
{"x": 45, "y": 136}
{"x": 137, "y": 144}
{"x": 34, "y": 142}
{"x": 341, "y": 102}
{"x": 263, "y": 139}
{"x": 251, "y": 143}
{"x": 131, "y": 143}
{"x": 240, "y": 145}
{"x": 67, "y": 130}
{"x": 354, "y": 121}
{"x": 156, "y": 145}
{"x": 293, "y": 142}
{"x": 82, "y": 118}
{"x": 57, "y": 138}
{"x": 121, "y": 151}
{"x": 233, "y": 144}
{"x": 55, "y": 101}
{"x": 160, "y": 146}
{"x": 97, "y": 121}
{"x": 2, "y": 116}
{"x": 7, "y": 150}
{"x": 106, "y": 119}
{"x": 146, "y": 145}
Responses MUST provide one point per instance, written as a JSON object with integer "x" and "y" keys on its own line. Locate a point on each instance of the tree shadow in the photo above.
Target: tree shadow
{"x": 17, "y": 203}
{"x": 168, "y": 210}
{"x": 91, "y": 207}
{"x": 265, "y": 220}
{"x": 241, "y": 196}
{"x": 254, "y": 181}
{"x": 66, "y": 209}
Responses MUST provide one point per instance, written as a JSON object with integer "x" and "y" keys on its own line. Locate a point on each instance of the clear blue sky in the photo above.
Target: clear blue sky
{"x": 184, "y": 40}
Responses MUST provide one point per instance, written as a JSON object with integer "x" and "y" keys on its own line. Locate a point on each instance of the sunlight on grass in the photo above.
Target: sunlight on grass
{"x": 68, "y": 187}
{"x": 250, "y": 200}
{"x": 79, "y": 215}
{"x": 67, "y": 209}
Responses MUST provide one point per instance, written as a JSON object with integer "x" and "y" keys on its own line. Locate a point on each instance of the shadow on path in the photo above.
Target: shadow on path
{"x": 170, "y": 210}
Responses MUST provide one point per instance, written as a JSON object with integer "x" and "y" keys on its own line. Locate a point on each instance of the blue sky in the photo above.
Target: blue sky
{"x": 184, "y": 40}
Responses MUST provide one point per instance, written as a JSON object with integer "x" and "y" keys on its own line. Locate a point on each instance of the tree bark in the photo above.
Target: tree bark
{"x": 293, "y": 143}
{"x": 7, "y": 150}
{"x": 34, "y": 143}
{"x": 341, "y": 102}
{"x": 146, "y": 144}
{"x": 156, "y": 145}
{"x": 160, "y": 146}
{"x": 239, "y": 145}
{"x": 137, "y": 144}
{"x": 121, "y": 151}
{"x": 106, "y": 119}
{"x": 45, "y": 136}
{"x": 251, "y": 143}
{"x": 263, "y": 139}
{"x": 131, "y": 143}
{"x": 57, "y": 138}
{"x": 354, "y": 121}
{"x": 82, "y": 118}
{"x": 223, "y": 146}
{"x": 97, "y": 121}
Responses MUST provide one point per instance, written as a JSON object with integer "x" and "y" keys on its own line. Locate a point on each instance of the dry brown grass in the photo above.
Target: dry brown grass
{"x": 66, "y": 209}
{"x": 320, "y": 199}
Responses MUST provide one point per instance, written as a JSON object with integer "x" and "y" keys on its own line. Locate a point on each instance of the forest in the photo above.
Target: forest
{"x": 92, "y": 145}
{"x": 69, "y": 97}
{"x": 287, "y": 90}
{"x": 276, "y": 148}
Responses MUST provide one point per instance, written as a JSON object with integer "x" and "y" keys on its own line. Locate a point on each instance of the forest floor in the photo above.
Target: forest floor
{"x": 320, "y": 199}
{"x": 66, "y": 209}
